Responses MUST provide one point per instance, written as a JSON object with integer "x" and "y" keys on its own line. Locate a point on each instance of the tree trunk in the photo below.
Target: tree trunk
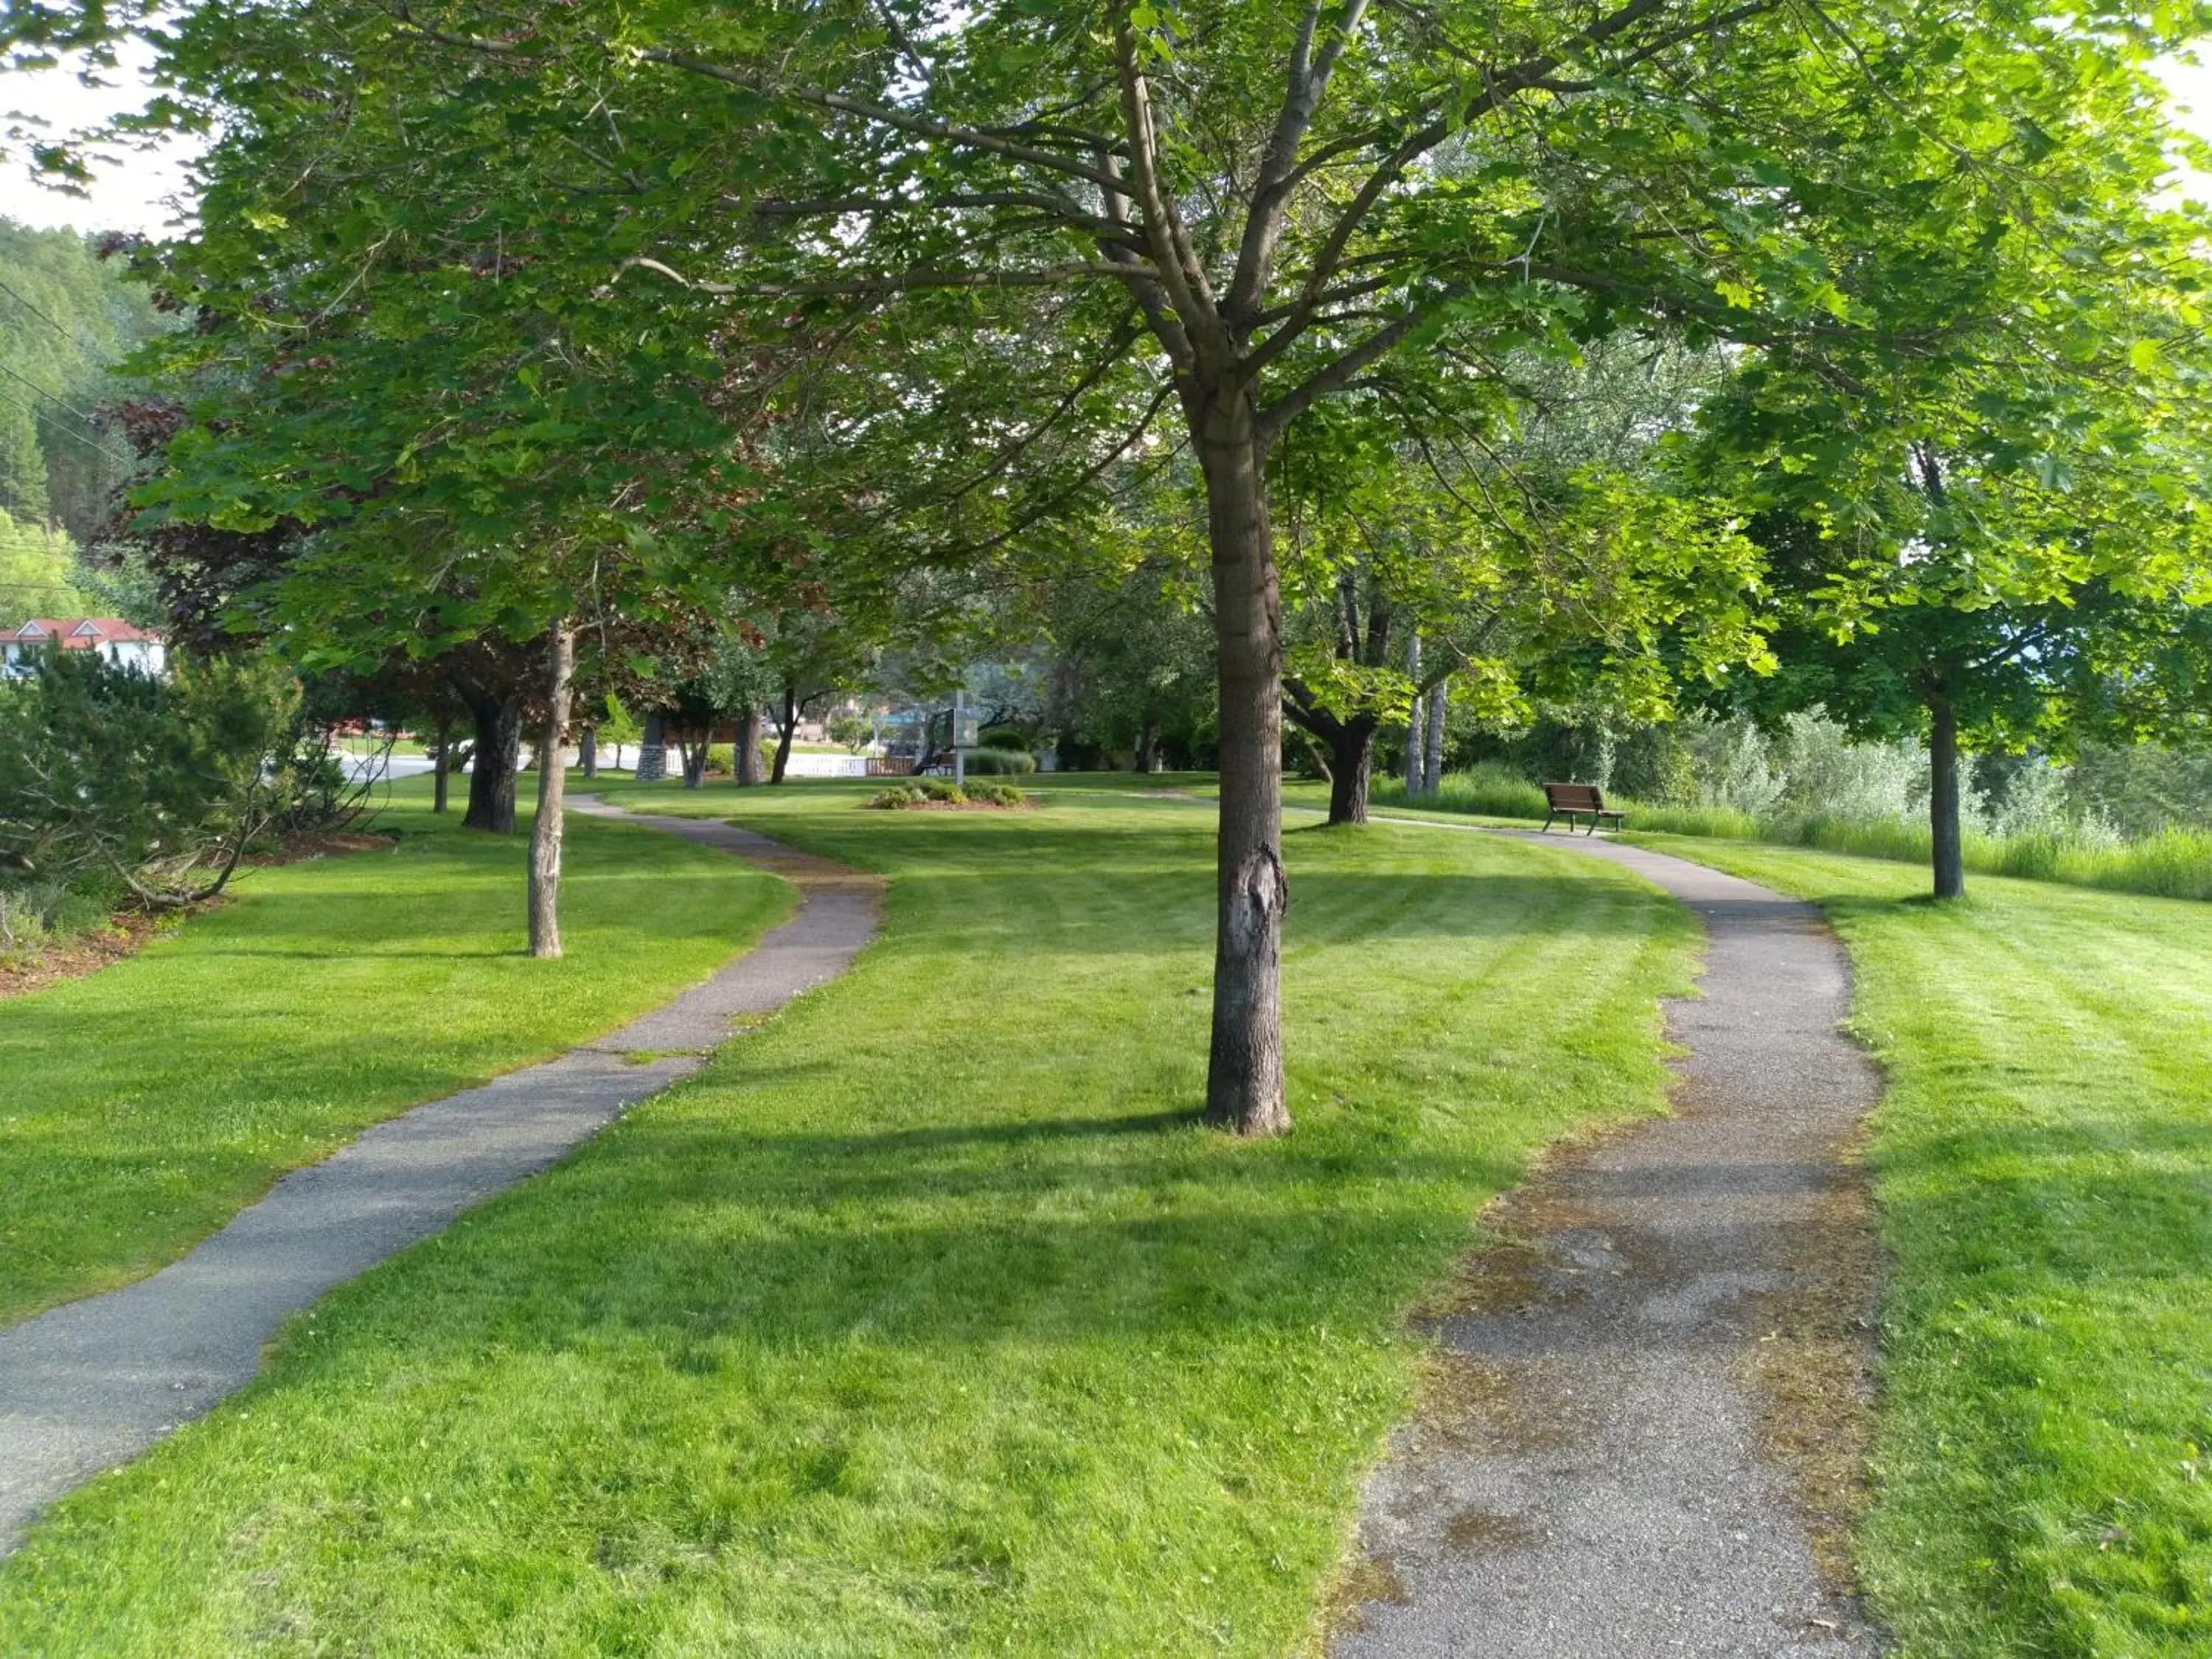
{"x": 1943, "y": 799}
{"x": 652, "y": 752}
{"x": 442, "y": 770}
{"x": 1244, "y": 1068}
{"x": 1148, "y": 741}
{"x": 1432, "y": 756}
{"x": 493, "y": 762}
{"x": 587, "y": 746}
{"x": 694, "y": 758}
{"x": 784, "y": 727}
{"x": 1415, "y": 771}
{"x": 1351, "y": 766}
{"x": 747, "y": 760}
{"x": 552, "y": 786}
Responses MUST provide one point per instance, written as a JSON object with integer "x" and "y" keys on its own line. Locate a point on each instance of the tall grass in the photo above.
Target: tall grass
{"x": 2176, "y": 864}
{"x": 1485, "y": 790}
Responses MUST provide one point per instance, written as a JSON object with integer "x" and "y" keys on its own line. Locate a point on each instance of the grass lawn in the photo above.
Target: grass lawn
{"x": 2044, "y": 1162}
{"x": 142, "y": 1106}
{"x": 925, "y": 1320}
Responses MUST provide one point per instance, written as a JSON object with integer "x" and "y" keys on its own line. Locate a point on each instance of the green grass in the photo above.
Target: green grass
{"x": 924, "y": 1320}
{"x": 142, "y": 1106}
{"x": 2044, "y": 1165}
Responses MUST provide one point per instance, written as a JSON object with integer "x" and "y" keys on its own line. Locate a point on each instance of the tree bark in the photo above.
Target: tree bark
{"x": 552, "y": 787}
{"x": 694, "y": 758}
{"x": 651, "y": 751}
{"x": 441, "y": 763}
{"x": 493, "y": 762}
{"x": 587, "y": 746}
{"x": 1432, "y": 758}
{"x": 1415, "y": 769}
{"x": 1949, "y": 851}
{"x": 1244, "y": 1073}
{"x": 784, "y": 727}
{"x": 748, "y": 766}
{"x": 1351, "y": 770}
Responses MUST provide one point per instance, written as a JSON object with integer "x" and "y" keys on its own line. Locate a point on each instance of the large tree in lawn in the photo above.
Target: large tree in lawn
{"x": 1521, "y": 543}
{"x": 1275, "y": 203}
{"x": 1999, "y": 539}
{"x": 1287, "y": 197}
{"x": 454, "y": 467}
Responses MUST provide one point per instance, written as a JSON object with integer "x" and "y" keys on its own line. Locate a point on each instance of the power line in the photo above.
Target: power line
{"x": 90, "y": 425}
{"x": 45, "y": 316}
{"x": 117, "y": 456}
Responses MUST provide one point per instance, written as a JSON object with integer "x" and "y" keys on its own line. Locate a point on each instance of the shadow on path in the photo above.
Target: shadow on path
{"x": 92, "y": 1383}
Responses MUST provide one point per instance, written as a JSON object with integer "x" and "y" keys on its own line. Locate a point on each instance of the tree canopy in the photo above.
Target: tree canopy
{"x": 493, "y": 270}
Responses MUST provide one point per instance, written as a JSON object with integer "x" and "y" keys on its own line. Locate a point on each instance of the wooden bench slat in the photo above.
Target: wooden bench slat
{"x": 1579, "y": 801}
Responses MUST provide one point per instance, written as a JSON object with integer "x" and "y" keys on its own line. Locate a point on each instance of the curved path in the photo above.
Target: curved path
{"x": 1649, "y": 1400}
{"x": 92, "y": 1383}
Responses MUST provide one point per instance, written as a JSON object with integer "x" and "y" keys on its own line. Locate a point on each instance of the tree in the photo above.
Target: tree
{"x": 66, "y": 317}
{"x": 160, "y": 784}
{"x": 1998, "y": 539}
{"x": 39, "y": 573}
{"x": 1509, "y": 568}
{"x": 1291, "y": 199}
{"x": 1282, "y": 204}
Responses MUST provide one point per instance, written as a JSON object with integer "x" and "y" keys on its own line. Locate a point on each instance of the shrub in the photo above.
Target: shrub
{"x": 157, "y": 783}
{"x": 937, "y": 792}
{"x": 1000, "y": 762}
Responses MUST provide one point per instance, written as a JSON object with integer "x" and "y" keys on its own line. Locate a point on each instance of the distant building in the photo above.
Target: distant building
{"x": 111, "y": 637}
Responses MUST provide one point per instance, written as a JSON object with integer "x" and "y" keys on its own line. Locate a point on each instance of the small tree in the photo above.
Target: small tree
{"x": 160, "y": 784}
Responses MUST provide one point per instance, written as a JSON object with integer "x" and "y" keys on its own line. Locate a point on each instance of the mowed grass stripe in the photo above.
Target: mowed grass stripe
{"x": 927, "y": 1321}
{"x": 142, "y": 1107}
{"x": 2043, "y": 1166}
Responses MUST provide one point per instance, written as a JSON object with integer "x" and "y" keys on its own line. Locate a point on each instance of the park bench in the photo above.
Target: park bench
{"x": 1578, "y": 800}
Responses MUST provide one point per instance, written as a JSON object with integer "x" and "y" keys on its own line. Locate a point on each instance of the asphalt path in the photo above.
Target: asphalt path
{"x": 367, "y": 768}
{"x": 1595, "y": 1474}
{"x": 92, "y": 1383}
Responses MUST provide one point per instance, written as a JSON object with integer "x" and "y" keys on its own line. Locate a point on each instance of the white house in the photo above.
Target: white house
{"x": 111, "y": 637}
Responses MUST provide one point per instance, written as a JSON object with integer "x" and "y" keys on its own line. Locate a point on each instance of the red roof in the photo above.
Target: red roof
{"x": 77, "y": 633}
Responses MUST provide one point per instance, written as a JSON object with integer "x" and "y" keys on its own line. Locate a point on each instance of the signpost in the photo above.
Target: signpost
{"x": 963, "y": 738}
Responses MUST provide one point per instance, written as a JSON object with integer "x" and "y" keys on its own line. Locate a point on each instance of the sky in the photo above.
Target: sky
{"x": 132, "y": 197}
{"x": 138, "y": 194}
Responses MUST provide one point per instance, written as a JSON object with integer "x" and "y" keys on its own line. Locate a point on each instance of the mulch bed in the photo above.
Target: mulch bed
{"x": 315, "y": 844}
{"x": 86, "y": 954}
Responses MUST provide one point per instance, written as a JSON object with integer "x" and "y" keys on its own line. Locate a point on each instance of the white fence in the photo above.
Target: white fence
{"x": 826, "y": 765}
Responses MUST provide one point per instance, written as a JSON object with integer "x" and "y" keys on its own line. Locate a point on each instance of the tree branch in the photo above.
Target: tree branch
{"x": 1180, "y": 272}
{"x": 1263, "y": 219}
{"x": 898, "y": 120}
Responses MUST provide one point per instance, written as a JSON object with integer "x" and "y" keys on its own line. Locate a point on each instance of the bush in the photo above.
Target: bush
{"x": 1000, "y": 762}
{"x": 937, "y": 792}
{"x": 157, "y": 783}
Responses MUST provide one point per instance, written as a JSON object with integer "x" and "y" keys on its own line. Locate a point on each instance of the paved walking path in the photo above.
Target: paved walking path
{"x": 1595, "y": 1474}
{"x": 94, "y": 1384}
